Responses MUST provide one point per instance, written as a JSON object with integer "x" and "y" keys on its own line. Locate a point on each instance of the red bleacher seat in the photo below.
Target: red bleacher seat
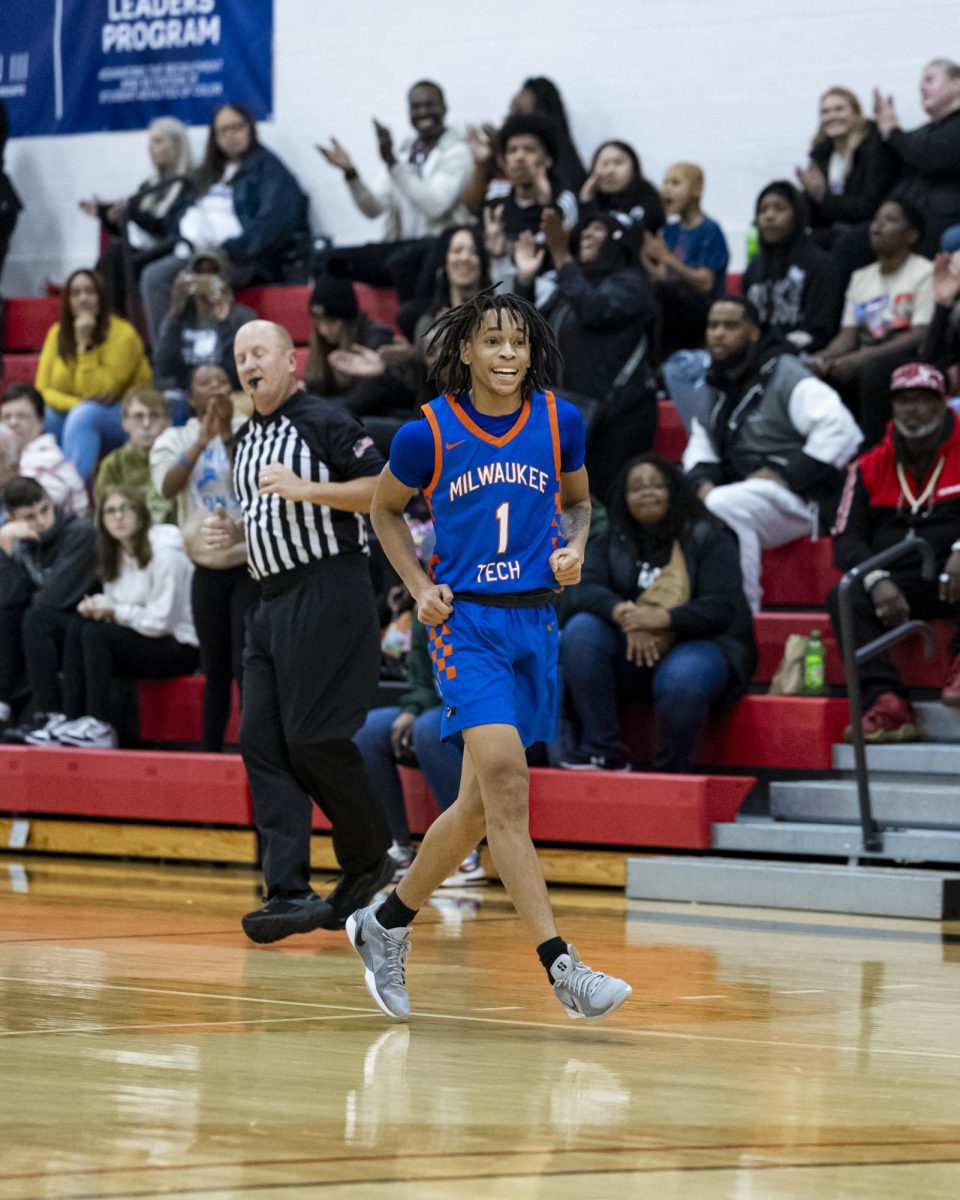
{"x": 287, "y": 306}
{"x": 799, "y": 574}
{"x": 773, "y": 629}
{"x": 27, "y": 319}
{"x": 134, "y": 785}
{"x": 171, "y": 710}
{"x": 19, "y": 368}
{"x": 671, "y": 439}
{"x": 734, "y": 283}
{"x": 380, "y": 304}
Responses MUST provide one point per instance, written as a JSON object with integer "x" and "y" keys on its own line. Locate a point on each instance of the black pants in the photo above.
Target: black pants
{"x": 11, "y": 651}
{"x": 879, "y": 674}
{"x": 220, "y": 601}
{"x": 44, "y": 641}
{"x": 95, "y": 653}
{"x": 310, "y": 672}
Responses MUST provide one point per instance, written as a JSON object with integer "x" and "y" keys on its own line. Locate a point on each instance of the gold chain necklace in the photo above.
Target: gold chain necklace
{"x": 917, "y": 502}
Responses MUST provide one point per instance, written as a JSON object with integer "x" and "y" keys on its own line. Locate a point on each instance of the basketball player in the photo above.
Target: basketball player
{"x": 500, "y": 462}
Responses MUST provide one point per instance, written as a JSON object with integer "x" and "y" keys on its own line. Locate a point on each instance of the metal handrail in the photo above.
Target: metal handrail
{"x": 852, "y": 657}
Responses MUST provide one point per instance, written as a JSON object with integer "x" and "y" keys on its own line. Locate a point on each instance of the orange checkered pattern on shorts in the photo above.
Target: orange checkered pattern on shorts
{"x": 442, "y": 652}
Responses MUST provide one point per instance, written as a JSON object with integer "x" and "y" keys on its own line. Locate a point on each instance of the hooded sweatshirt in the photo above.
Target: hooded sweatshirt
{"x": 794, "y": 284}
{"x": 57, "y": 570}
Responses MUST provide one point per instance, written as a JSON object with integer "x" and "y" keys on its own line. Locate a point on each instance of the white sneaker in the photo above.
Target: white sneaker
{"x": 87, "y": 733}
{"x": 584, "y": 992}
{"x": 469, "y": 874}
{"x": 45, "y": 733}
{"x": 403, "y": 854}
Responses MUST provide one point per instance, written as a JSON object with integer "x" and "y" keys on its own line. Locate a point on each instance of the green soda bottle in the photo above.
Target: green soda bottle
{"x": 814, "y": 665}
{"x": 753, "y": 242}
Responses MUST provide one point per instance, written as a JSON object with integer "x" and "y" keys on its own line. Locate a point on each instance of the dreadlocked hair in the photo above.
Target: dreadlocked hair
{"x": 458, "y": 325}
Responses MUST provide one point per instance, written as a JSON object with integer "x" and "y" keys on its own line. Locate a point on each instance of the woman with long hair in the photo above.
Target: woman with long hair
{"x": 541, "y": 95}
{"x": 139, "y": 627}
{"x": 617, "y": 184}
{"x": 850, "y": 170}
{"x": 660, "y": 615}
{"x": 248, "y": 204}
{"x": 89, "y": 361}
{"x": 143, "y": 227}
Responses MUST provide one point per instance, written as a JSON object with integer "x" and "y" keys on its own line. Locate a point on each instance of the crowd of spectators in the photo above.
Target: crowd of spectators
{"x": 853, "y": 278}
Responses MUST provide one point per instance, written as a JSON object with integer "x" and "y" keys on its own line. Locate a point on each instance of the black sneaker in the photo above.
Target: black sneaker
{"x": 575, "y": 761}
{"x": 283, "y": 915}
{"x": 356, "y": 891}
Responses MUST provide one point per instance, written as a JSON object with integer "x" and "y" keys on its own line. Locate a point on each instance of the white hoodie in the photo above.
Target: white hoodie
{"x": 155, "y": 600}
{"x": 43, "y": 460}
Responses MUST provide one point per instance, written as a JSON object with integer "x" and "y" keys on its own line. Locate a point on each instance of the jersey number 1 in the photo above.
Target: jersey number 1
{"x": 503, "y": 521}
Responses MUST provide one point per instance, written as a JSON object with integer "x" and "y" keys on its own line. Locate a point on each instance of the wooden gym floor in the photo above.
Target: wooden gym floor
{"x": 147, "y": 1050}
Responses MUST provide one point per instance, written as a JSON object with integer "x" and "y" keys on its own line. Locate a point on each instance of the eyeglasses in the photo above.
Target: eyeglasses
{"x": 231, "y": 127}
{"x": 118, "y": 510}
{"x": 144, "y": 418}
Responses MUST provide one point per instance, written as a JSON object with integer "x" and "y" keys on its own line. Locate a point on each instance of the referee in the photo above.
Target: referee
{"x": 305, "y": 472}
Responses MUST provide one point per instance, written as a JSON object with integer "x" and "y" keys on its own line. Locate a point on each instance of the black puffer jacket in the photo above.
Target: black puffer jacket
{"x": 873, "y": 172}
{"x": 930, "y": 161}
{"x": 717, "y": 610}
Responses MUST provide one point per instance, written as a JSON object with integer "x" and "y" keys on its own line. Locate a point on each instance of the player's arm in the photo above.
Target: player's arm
{"x": 567, "y": 562}
{"x": 434, "y": 601}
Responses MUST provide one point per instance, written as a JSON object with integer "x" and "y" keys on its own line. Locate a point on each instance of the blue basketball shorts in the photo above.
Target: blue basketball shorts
{"x": 498, "y": 666}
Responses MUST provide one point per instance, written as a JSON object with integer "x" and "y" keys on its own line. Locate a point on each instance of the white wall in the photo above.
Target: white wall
{"x": 732, "y": 84}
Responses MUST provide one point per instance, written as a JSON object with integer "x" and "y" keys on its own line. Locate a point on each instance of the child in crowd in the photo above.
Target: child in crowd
{"x": 145, "y": 416}
{"x": 687, "y": 260}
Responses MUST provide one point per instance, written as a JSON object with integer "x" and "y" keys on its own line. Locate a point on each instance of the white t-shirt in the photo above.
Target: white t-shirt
{"x": 879, "y": 305}
{"x": 213, "y": 219}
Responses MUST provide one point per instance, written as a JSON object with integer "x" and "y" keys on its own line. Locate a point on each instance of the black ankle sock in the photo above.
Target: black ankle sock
{"x": 393, "y": 913}
{"x": 550, "y": 951}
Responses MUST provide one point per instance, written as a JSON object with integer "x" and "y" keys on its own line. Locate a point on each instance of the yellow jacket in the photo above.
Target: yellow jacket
{"x": 112, "y": 368}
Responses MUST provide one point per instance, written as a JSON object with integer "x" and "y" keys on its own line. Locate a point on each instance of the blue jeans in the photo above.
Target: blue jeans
{"x": 85, "y": 432}
{"x": 683, "y": 685}
{"x": 440, "y": 762}
{"x": 685, "y": 377}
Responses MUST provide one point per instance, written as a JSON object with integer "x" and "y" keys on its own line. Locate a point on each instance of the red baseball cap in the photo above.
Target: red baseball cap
{"x": 918, "y": 375}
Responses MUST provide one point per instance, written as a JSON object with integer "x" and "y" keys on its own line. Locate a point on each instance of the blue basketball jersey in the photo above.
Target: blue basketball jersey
{"x": 495, "y": 500}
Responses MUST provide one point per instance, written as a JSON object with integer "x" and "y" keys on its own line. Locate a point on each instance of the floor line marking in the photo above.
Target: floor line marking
{"x": 6, "y": 1033}
{"x": 618, "y": 1030}
{"x": 800, "y": 991}
{"x": 712, "y": 996}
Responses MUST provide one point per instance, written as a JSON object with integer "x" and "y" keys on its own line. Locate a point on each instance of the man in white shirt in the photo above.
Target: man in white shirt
{"x": 887, "y": 309}
{"x": 418, "y": 196}
{"x": 40, "y": 458}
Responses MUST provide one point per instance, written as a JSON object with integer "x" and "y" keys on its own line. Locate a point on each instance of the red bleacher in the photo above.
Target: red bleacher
{"x": 799, "y": 575}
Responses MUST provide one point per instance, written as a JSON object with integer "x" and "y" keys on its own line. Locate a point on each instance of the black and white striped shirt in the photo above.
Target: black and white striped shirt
{"x": 318, "y": 440}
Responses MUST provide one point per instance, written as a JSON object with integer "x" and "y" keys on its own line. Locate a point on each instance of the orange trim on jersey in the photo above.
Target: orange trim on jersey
{"x": 475, "y": 429}
{"x": 437, "y": 451}
{"x": 554, "y": 430}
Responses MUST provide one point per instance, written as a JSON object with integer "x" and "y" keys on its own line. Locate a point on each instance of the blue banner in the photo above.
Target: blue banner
{"x": 82, "y": 66}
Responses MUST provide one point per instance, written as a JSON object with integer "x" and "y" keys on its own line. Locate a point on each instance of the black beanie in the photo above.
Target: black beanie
{"x": 333, "y": 292}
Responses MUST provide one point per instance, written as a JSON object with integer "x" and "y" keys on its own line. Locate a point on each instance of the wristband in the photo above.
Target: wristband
{"x": 351, "y": 174}
{"x": 871, "y": 580}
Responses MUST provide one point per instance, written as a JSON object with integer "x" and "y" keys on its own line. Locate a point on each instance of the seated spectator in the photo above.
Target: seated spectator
{"x": 941, "y": 345}
{"x": 38, "y": 455}
{"x": 687, "y": 260}
{"x": 907, "y": 486}
{"x": 771, "y": 443}
{"x": 145, "y": 417}
{"x": 139, "y": 627}
{"x": 929, "y": 157}
{"x": 202, "y": 322}
{"x": 541, "y": 95}
{"x": 10, "y": 202}
{"x": 248, "y": 205}
{"x": 418, "y": 197}
{"x": 408, "y": 734}
{"x": 659, "y": 613}
{"x": 604, "y": 317}
{"x": 144, "y": 226}
{"x": 616, "y": 183}
{"x": 885, "y": 317}
{"x": 47, "y": 564}
{"x": 517, "y": 203}
{"x": 457, "y": 270}
{"x": 89, "y": 361}
{"x": 792, "y": 282}
{"x": 193, "y": 466}
{"x": 850, "y": 170}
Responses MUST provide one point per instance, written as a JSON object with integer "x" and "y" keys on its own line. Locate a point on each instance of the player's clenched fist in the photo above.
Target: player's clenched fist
{"x": 566, "y": 564}
{"x": 434, "y": 604}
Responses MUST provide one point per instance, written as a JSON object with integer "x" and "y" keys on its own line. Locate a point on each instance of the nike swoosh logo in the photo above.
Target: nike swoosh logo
{"x": 454, "y": 445}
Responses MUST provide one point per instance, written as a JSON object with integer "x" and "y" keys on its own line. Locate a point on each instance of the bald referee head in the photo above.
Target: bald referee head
{"x": 266, "y": 364}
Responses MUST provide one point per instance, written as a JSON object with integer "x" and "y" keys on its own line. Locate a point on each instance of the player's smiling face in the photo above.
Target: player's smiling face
{"x": 498, "y": 355}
